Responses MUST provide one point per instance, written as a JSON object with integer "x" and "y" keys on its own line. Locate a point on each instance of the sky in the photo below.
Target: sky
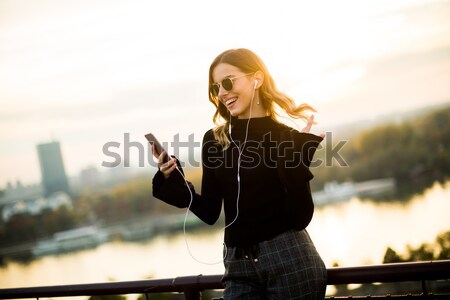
{"x": 89, "y": 72}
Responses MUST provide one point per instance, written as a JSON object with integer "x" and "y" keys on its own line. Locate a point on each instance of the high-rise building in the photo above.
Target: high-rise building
{"x": 54, "y": 177}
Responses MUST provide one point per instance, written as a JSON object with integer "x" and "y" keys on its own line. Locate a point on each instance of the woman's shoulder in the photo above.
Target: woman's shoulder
{"x": 209, "y": 135}
{"x": 284, "y": 129}
{"x": 209, "y": 139}
{"x": 287, "y": 133}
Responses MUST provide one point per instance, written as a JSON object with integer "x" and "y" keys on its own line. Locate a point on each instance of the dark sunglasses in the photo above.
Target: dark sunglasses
{"x": 227, "y": 84}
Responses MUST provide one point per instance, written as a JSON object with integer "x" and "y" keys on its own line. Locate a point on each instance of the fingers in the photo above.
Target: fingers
{"x": 166, "y": 167}
{"x": 155, "y": 154}
{"x": 308, "y": 126}
{"x": 160, "y": 157}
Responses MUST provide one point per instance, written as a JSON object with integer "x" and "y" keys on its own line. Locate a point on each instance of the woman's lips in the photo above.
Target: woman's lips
{"x": 231, "y": 101}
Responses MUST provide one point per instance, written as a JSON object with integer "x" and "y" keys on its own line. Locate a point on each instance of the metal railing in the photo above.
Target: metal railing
{"x": 192, "y": 286}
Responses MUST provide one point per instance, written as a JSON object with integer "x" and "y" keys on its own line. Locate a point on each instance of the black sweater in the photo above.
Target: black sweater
{"x": 274, "y": 181}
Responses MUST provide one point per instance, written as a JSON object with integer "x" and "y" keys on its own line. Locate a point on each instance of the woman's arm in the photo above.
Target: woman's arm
{"x": 173, "y": 190}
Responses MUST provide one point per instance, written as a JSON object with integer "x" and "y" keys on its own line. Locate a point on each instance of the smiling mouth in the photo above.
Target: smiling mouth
{"x": 230, "y": 101}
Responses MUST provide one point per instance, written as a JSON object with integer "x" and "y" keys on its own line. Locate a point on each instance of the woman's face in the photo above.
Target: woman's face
{"x": 239, "y": 98}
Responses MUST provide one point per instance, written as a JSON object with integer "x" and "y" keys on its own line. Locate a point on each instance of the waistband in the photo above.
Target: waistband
{"x": 254, "y": 250}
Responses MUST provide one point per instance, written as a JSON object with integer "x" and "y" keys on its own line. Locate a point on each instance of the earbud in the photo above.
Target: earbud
{"x": 254, "y": 89}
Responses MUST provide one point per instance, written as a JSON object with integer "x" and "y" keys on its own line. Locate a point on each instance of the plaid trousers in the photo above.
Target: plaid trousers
{"x": 286, "y": 267}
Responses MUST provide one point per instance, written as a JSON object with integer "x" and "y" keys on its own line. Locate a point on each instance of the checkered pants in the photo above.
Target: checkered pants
{"x": 286, "y": 267}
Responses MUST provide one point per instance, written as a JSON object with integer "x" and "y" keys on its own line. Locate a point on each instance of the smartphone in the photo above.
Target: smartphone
{"x": 158, "y": 148}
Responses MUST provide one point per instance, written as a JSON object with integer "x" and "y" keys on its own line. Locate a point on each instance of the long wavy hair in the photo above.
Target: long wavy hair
{"x": 269, "y": 96}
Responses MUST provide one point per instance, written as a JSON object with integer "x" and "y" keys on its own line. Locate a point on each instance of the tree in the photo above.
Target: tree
{"x": 425, "y": 252}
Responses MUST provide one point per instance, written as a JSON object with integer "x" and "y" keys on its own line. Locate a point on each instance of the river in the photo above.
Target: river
{"x": 353, "y": 232}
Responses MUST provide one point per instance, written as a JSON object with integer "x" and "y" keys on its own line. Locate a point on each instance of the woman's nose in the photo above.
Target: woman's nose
{"x": 222, "y": 91}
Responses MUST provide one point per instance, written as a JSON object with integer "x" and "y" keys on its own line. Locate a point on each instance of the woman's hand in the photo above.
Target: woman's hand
{"x": 165, "y": 167}
{"x": 308, "y": 126}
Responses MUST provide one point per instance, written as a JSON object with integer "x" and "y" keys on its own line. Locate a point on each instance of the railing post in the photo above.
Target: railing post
{"x": 424, "y": 289}
{"x": 192, "y": 295}
{"x": 192, "y": 292}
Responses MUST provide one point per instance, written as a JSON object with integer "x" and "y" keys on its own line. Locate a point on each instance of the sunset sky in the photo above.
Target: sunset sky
{"x": 87, "y": 72}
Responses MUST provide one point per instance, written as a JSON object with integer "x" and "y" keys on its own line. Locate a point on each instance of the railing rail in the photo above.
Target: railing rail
{"x": 191, "y": 286}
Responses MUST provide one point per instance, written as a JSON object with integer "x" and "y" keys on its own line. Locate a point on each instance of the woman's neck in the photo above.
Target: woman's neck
{"x": 257, "y": 112}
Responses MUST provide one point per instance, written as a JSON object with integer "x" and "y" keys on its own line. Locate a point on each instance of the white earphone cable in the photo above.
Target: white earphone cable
{"x": 238, "y": 190}
{"x": 241, "y": 150}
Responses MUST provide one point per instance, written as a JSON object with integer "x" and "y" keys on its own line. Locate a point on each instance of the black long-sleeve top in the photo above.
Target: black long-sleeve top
{"x": 274, "y": 193}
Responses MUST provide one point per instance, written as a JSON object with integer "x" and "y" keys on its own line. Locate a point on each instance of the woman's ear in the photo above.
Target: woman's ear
{"x": 259, "y": 77}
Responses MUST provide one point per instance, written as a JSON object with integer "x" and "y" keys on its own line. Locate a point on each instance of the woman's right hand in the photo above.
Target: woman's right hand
{"x": 165, "y": 167}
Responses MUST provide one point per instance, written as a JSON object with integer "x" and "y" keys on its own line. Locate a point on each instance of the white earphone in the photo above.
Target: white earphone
{"x": 254, "y": 89}
{"x": 238, "y": 179}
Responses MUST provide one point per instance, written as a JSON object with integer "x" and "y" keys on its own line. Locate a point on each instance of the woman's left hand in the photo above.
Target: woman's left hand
{"x": 308, "y": 126}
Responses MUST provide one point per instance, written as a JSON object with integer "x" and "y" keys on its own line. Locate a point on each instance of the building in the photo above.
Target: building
{"x": 53, "y": 174}
{"x": 18, "y": 192}
{"x": 90, "y": 177}
{"x": 36, "y": 206}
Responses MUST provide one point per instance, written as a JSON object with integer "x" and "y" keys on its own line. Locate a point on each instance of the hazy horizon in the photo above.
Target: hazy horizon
{"x": 86, "y": 72}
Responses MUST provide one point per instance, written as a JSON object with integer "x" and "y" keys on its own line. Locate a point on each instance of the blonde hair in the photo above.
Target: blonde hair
{"x": 270, "y": 97}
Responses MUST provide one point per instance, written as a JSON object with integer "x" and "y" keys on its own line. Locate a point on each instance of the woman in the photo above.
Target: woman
{"x": 258, "y": 168}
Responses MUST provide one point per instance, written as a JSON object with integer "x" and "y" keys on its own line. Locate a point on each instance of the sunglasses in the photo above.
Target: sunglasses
{"x": 227, "y": 84}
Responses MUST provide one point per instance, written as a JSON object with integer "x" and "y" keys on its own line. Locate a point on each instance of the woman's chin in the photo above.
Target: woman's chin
{"x": 234, "y": 112}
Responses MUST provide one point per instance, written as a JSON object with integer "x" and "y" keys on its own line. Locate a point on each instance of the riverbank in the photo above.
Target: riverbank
{"x": 87, "y": 237}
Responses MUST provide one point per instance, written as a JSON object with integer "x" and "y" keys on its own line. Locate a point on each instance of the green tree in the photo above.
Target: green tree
{"x": 443, "y": 242}
{"x": 415, "y": 153}
{"x": 19, "y": 228}
{"x": 391, "y": 256}
{"x": 425, "y": 252}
